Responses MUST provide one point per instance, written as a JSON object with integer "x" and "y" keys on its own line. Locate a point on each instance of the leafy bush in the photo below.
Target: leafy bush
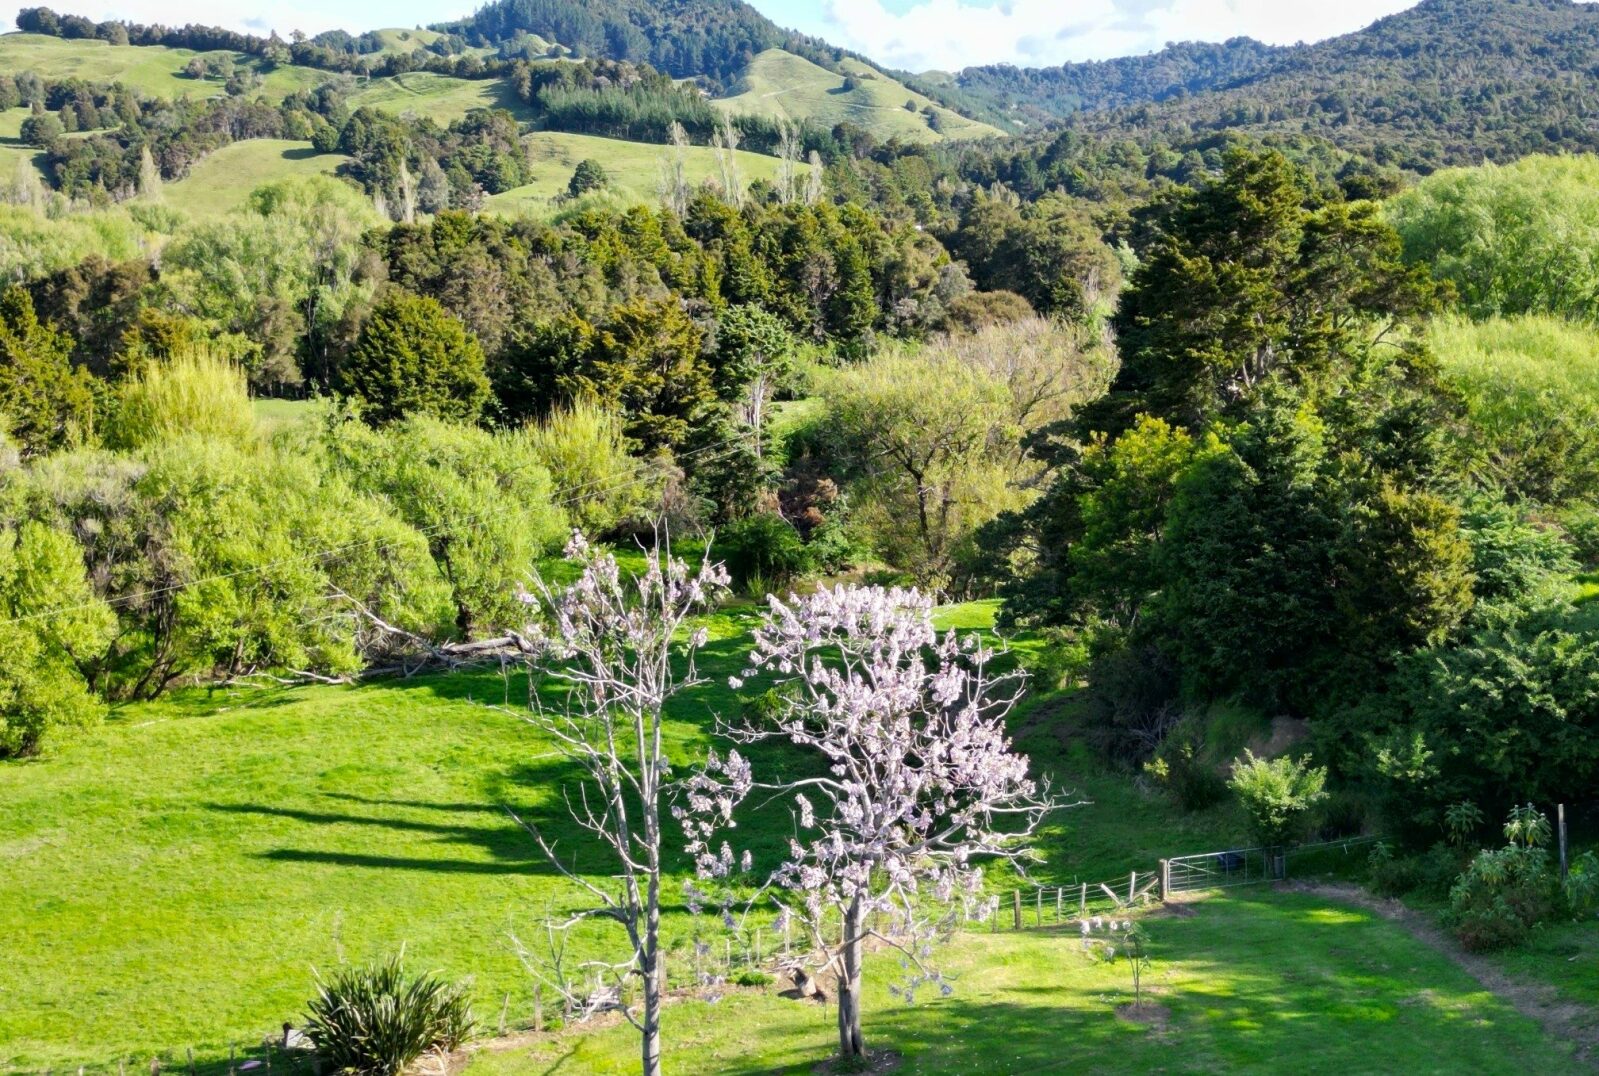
{"x": 762, "y": 548}
{"x": 753, "y": 977}
{"x": 42, "y": 690}
{"x": 1505, "y": 892}
{"x": 1428, "y": 875}
{"x": 1178, "y": 768}
{"x": 1278, "y": 795}
{"x": 376, "y": 1019}
{"x": 597, "y": 482}
{"x": 196, "y": 393}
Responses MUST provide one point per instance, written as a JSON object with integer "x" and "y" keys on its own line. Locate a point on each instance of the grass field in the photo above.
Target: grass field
{"x": 221, "y": 181}
{"x": 634, "y": 169}
{"x": 779, "y": 83}
{"x": 172, "y": 879}
{"x": 438, "y": 97}
{"x": 154, "y": 70}
{"x": 1256, "y": 981}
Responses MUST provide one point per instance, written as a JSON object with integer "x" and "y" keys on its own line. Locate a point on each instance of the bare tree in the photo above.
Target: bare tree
{"x": 788, "y": 153}
{"x": 674, "y": 171}
{"x": 613, "y": 645}
{"x": 814, "y": 179}
{"x": 725, "y": 139}
{"x": 920, "y": 786}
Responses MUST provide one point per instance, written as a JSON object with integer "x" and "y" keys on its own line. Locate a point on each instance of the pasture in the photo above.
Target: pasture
{"x": 779, "y": 83}
{"x": 173, "y": 880}
{"x": 633, "y": 168}
{"x": 221, "y": 181}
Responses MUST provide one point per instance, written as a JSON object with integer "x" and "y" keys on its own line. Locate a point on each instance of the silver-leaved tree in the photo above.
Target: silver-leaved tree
{"x": 623, "y": 647}
{"x": 916, "y": 786}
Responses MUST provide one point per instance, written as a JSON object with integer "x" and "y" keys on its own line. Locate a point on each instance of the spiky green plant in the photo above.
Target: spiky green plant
{"x": 375, "y": 1019}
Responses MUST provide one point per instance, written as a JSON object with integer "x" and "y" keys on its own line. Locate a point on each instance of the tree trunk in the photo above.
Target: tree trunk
{"x": 650, "y": 958}
{"x": 850, "y": 1041}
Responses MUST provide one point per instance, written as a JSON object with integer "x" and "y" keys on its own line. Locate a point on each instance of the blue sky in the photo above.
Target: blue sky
{"x": 912, "y": 34}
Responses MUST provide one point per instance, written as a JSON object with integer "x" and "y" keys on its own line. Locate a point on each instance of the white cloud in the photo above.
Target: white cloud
{"x": 951, "y": 34}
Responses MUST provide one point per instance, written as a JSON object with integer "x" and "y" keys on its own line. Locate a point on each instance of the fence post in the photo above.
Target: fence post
{"x": 1082, "y": 903}
{"x": 538, "y": 1007}
{"x": 1016, "y": 907}
{"x": 1038, "y": 906}
{"x": 1057, "y": 904}
{"x": 1561, "y": 814}
{"x": 1132, "y": 883}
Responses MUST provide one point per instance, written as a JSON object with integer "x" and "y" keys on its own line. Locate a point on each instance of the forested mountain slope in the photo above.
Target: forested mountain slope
{"x": 1448, "y": 81}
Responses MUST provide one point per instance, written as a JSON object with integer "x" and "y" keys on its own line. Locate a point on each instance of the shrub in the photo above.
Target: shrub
{"x": 1178, "y": 768}
{"x": 1428, "y": 875}
{"x": 41, "y": 689}
{"x": 1278, "y": 795}
{"x": 194, "y": 393}
{"x": 376, "y": 1019}
{"x": 753, "y": 977}
{"x": 1505, "y": 892}
{"x": 762, "y": 548}
{"x": 585, "y": 451}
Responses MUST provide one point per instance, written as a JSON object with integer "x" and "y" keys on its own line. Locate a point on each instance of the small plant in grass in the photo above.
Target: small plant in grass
{"x": 376, "y": 1019}
{"x": 1278, "y": 795}
{"x": 753, "y": 977}
{"x": 1125, "y": 940}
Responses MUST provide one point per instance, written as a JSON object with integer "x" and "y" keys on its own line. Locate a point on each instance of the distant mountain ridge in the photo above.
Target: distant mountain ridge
{"x": 1444, "y": 82}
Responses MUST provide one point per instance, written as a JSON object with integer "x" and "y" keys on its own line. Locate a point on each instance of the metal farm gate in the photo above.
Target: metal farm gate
{"x": 1247, "y": 866}
{"x": 1216, "y": 870}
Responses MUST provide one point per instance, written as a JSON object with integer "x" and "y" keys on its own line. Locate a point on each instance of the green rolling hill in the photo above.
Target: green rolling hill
{"x": 779, "y": 83}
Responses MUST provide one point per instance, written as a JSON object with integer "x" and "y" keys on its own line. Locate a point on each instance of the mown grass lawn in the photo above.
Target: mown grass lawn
{"x": 172, "y": 880}
{"x": 1254, "y": 981}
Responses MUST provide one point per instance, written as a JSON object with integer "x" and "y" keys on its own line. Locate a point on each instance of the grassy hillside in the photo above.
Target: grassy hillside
{"x": 12, "y": 149}
{"x": 778, "y": 83}
{"x": 634, "y": 169}
{"x": 438, "y": 97}
{"x": 158, "y": 72}
{"x": 153, "y": 70}
{"x": 222, "y": 180}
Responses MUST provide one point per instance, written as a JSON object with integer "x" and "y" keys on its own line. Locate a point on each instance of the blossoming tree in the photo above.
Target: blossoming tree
{"x": 613, "y": 643}
{"x": 919, "y": 783}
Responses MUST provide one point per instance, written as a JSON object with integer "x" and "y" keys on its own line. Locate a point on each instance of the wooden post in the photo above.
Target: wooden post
{"x": 786, "y": 925}
{"x": 232, "y": 1070}
{"x": 191, "y": 1061}
{"x": 1132, "y": 883}
{"x": 538, "y": 1007}
{"x": 757, "y": 945}
{"x": 1016, "y": 906}
{"x": 504, "y": 1005}
{"x": 1082, "y": 903}
{"x": 1057, "y": 903}
{"x": 1038, "y": 906}
{"x": 1165, "y": 880}
{"x": 1560, "y": 812}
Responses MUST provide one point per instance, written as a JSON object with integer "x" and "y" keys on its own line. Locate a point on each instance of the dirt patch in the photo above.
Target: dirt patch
{"x": 1174, "y": 909}
{"x": 875, "y": 1061}
{"x": 1540, "y": 1002}
{"x": 1150, "y": 1014}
